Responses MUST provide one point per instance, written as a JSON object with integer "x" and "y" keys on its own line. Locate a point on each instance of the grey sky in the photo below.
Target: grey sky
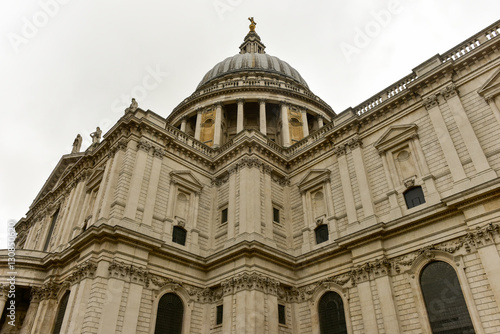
{"x": 69, "y": 66}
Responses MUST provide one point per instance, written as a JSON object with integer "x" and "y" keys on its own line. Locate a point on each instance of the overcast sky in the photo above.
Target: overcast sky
{"x": 69, "y": 66}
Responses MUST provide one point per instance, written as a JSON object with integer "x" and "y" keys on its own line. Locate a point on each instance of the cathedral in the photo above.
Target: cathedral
{"x": 253, "y": 207}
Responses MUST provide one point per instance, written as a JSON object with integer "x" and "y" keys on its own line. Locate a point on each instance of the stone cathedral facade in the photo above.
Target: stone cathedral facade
{"x": 255, "y": 208}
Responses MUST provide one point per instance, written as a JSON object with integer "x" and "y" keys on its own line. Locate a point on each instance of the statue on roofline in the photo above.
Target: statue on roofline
{"x": 133, "y": 106}
{"x": 77, "y": 144}
{"x": 96, "y": 136}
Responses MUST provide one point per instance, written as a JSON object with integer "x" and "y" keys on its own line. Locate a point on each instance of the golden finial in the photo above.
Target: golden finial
{"x": 252, "y": 24}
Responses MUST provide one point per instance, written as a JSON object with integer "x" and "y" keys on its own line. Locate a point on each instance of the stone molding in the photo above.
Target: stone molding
{"x": 49, "y": 290}
{"x": 250, "y": 281}
{"x": 248, "y": 162}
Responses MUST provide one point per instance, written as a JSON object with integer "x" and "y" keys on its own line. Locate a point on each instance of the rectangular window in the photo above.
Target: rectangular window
{"x": 281, "y": 314}
{"x": 276, "y": 215}
{"x": 223, "y": 216}
{"x": 220, "y": 312}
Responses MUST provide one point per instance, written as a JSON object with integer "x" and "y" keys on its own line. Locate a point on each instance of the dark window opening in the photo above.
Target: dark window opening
{"x": 281, "y": 314}
{"x": 331, "y": 314}
{"x": 63, "y": 303}
{"x": 444, "y": 300}
{"x": 276, "y": 215}
{"x": 51, "y": 230}
{"x": 170, "y": 314}
{"x": 179, "y": 235}
{"x": 223, "y": 216}
{"x": 321, "y": 233}
{"x": 414, "y": 196}
{"x": 219, "y": 314}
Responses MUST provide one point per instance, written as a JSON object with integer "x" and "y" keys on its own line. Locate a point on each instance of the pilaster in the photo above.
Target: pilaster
{"x": 218, "y": 125}
{"x": 444, "y": 138}
{"x": 134, "y": 190}
{"x": 345, "y": 180}
{"x": 197, "y": 129}
{"x": 147, "y": 217}
{"x": 262, "y": 117}
{"x": 240, "y": 116}
{"x": 305, "y": 126}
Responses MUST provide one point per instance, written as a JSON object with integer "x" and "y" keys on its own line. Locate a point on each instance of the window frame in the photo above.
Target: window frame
{"x": 174, "y": 234}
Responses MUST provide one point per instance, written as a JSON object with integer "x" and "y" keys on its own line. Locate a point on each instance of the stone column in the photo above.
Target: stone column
{"x": 285, "y": 127}
{"x": 74, "y": 212}
{"x": 494, "y": 107}
{"x": 305, "y": 126}
{"x": 154, "y": 180}
{"x": 490, "y": 259}
{"x": 80, "y": 304}
{"x": 183, "y": 124}
{"x": 100, "y": 192}
{"x": 141, "y": 158}
{"x": 345, "y": 180}
{"x": 466, "y": 131}
{"x": 240, "y": 116}
{"x": 109, "y": 193}
{"x": 197, "y": 130}
{"x": 111, "y": 300}
{"x": 444, "y": 138}
{"x": 362, "y": 178}
{"x": 262, "y": 117}
{"x": 320, "y": 122}
{"x": 218, "y": 124}
{"x": 69, "y": 313}
{"x": 3, "y": 297}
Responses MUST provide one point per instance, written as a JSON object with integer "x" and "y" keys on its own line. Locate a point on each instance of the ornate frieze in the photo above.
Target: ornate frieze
{"x": 250, "y": 281}
{"x": 82, "y": 271}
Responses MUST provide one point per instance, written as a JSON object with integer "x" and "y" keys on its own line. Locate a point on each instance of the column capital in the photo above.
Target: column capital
{"x": 218, "y": 104}
{"x": 240, "y": 101}
{"x": 340, "y": 150}
{"x": 449, "y": 91}
{"x": 430, "y": 102}
{"x": 262, "y": 101}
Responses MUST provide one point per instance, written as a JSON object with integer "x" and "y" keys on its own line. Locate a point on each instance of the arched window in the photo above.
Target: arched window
{"x": 331, "y": 314}
{"x": 414, "y": 196}
{"x": 63, "y": 303}
{"x": 179, "y": 235}
{"x": 321, "y": 233}
{"x": 170, "y": 315}
{"x": 444, "y": 300}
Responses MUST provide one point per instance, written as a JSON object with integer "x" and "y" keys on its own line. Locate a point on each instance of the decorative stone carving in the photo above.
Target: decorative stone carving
{"x": 409, "y": 182}
{"x": 144, "y": 145}
{"x": 220, "y": 180}
{"x": 354, "y": 143}
{"x": 449, "y": 91}
{"x": 430, "y": 102}
{"x": 82, "y": 271}
{"x": 250, "y": 281}
{"x": 340, "y": 150}
{"x": 48, "y": 290}
{"x": 158, "y": 152}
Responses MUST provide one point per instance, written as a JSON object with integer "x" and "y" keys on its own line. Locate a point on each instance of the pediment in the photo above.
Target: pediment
{"x": 60, "y": 170}
{"x": 395, "y": 135}
{"x": 491, "y": 87}
{"x": 187, "y": 180}
{"x": 314, "y": 178}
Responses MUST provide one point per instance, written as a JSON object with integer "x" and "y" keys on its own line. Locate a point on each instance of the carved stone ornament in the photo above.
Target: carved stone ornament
{"x": 180, "y": 221}
{"x": 250, "y": 281}
{"x": 320, "y": 220}
{"x": 430, "y": 102}
{"x": 340, "y": 150}
{"x": 82, "y": 271}
{"x": 449, "y": 91}
{"x": 354, "y": 143}
{"x": 409, "y": 182}
{"x": 158, "y": 152}
{"x": 144, "y": 145}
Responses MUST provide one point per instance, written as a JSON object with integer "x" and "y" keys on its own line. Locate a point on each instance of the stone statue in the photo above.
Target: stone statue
{"x": 133, "y": 106}
{"x": 77, "y": 144}
{"x": 96, "y": 136}
{"x": 252, "y": 24}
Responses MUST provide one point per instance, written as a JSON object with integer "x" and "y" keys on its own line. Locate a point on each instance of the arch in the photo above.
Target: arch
{"x": 320, "y": 298}
{"x": 454, "y": 262}
{"x": 444, "y": 300}
{"x": 169, "y": 315}
{"x": 183, "y": 296}
{"x": 61, "y": 311}
{"x": 331, "y": 314}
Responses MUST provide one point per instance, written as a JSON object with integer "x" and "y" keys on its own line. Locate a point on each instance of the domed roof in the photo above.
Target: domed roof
{"x": 252, "y": 57}
{"x": 253, "y": 62}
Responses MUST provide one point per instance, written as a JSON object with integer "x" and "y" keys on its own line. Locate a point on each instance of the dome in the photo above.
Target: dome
{"x": 253, "y": 62}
